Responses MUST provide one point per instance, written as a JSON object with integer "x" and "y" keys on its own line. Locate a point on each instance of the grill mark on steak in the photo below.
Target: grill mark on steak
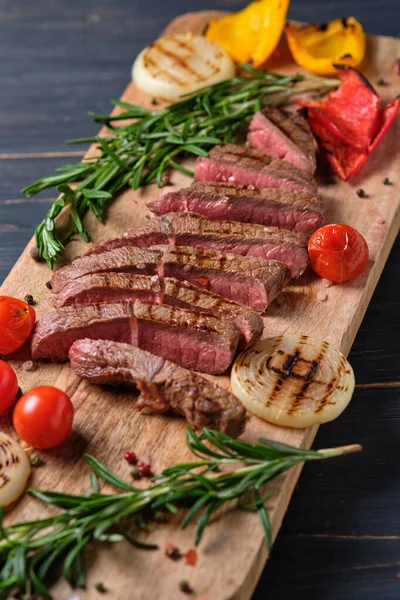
{"x": 163, "y": 385}
{"x": 252, "y": 281}
{"x": 195, "y": 340}
{"x": 290, "y": 210}
{"x": 114, "y": 287}
{"x": 191, "y": 229}
{"x": 284, "y": 135}
{"x": 241, "y": 165}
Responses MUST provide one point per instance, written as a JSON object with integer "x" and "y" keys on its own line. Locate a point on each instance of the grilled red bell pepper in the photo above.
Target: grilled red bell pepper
{"x": 386, "y": 117}
{"x": 344, "y": 159}
{"x": 351, "y": 111}
{"x": 348, "y": 123}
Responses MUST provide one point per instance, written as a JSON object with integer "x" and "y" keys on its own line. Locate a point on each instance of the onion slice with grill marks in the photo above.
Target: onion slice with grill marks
{"x": 15, "y": 470}
{"x": 181, "y": 64}
{"x": 293, "y": 381}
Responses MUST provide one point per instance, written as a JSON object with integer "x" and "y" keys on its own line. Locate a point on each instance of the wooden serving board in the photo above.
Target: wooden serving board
{"x": 232, "y": 553}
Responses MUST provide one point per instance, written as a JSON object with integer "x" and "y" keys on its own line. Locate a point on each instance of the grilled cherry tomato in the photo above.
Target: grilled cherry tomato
{"x": 43, "y": 417}
{"x": 8, "y": 386}
{"x": 338, "y": 252}
{"x": 17, "y": 320}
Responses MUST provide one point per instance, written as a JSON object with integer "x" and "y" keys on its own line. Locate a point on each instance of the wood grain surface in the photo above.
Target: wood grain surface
{"x": 239, "y": 563}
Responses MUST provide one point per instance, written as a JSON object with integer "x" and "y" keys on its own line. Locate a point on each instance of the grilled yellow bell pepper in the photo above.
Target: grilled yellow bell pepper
{"x": 318, "y": 47}
{"x": 252, "y": 34}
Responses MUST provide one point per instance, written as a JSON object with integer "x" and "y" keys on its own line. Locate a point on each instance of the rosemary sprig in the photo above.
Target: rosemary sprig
{"x": 142, "y": 151}
{"x": 226, "y": 470}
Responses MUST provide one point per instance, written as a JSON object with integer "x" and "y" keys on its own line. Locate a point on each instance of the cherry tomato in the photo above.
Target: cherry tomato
{"x": 338, "y": 252}
{"x": 43, "y": 417}
{"x": 17, "y": 320}
{"x": 8, "y": 386}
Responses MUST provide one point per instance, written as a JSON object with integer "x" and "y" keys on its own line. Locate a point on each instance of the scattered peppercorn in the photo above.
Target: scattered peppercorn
{"x": 29, "y": 300}
{"x": 361, "y": 193}
{"x": 154, "y": 102}
{"x": 387, "y": 181}
{"x": 191, "y": 557}
{"x": 34, "y": 252}
{"x": 185, "y": 587}
{"x": 48, "y": 285}
{"x": 135, "y": 474}
{"x": 144, "y": 469}
{"x": 173, "y": 553}
{"x": 29, "y": 365}
{"x": 100, "y": 587}
{"x": 35, "y": 460}
{"x": 130, "y": 458}
{"x": 382, "y": 82}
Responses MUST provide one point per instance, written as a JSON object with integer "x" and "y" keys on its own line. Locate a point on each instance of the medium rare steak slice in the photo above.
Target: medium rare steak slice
{"x": 241, "y": 165}
{"x": 194, "y": 340}
{"x": 163, "y": 385}
{"x": 252, "y": 281}
{"x": 190, "y": 229}
{"x": 283, "y": 135}
{"x": 275, "y": 207}
{"x": 114, "y": 287}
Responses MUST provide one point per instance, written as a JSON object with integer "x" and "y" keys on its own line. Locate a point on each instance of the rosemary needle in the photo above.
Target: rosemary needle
{"x": 226, "y": 470}
{"x": 142, "y": 151}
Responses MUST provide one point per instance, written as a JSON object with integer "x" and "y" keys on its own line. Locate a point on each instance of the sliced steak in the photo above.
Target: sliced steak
{"x": 194, "y": 340}
{"x": 163, "y": 385}
{"x": 283, "y": 135}
{"x": 114, "y": 287}
{"x": 190, "y": 229}
{"x": 275, "y": 207}
{"x": 254, "y": 282}
{"x": 241, "y": 165}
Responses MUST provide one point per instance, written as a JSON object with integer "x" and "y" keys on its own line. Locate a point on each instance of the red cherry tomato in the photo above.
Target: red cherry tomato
{"x": 43, "y": 417}
{"x": 8, "y": 386}
{"x": 17, "y": 320}
{"x": 338, "y": 252}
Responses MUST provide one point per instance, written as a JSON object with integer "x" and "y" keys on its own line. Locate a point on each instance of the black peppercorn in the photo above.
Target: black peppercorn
{"x": 185, "y": 587}
{"x": 100, "y": 587}
{"x": 29, "y": 299}
{"x": 173, "y": 553}
{"x": 361, "y": 193}
{"x": 135, "y": 474}
{"x": 48, "y": 285}
{"x": 387, "y": 181}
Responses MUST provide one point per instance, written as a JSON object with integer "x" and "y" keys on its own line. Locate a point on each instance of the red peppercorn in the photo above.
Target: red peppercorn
{"x": 144, "y": 468}
{"x": 130, "y": 458}
{"x": 191, "y": 557}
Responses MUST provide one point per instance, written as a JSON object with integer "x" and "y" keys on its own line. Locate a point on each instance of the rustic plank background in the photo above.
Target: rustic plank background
{"x": 340, "y": 538}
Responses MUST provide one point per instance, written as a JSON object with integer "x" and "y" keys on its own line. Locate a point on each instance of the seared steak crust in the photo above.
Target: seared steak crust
{"x": 252, "y": 281}
{"x": 163, "y": 385}
{"x": 284, "y": 135}
{"x": 191, "y": 229}
{"x": 194, "y": 340}
{"x": 114, "y": 287}
{"x": 290, "y": 210}
{"x": 242, "y": 165}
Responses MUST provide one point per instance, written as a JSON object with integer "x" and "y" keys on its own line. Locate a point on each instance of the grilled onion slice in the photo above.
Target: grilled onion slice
{"x": 180, "y": 64}
{"x": 293, "y": 380}
{"x": 15, "y": 469}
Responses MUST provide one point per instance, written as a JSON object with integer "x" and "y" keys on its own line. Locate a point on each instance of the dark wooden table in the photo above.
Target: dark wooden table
{"x": 60, "y": 58}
